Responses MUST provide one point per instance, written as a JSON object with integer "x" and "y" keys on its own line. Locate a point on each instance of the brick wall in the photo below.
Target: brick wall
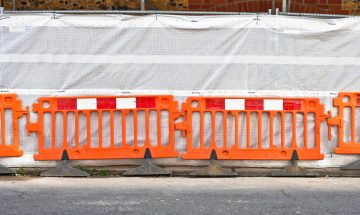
{"x": 96, "y": 4}
{"x": 301, "y": 6}
{"x": 235, "y": 5}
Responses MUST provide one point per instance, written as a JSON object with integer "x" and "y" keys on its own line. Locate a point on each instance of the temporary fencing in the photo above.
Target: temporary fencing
{"x": 105, "y": 127}
{"x": 252, "y": 128}
{"x": 348, "y": 122}
{"x": 10, "y": 112}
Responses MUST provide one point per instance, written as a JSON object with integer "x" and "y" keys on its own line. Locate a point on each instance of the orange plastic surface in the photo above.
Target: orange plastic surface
{"x": 344, "y": 100}
{"x": 10, "y": 102}
{"x": 227, "y": 150}
{"x": 127, "y": 149}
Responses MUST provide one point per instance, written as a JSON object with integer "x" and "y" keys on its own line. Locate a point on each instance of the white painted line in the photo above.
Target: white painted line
{"x": 86, "y": 104}
{"x": 234, "y": 104}
{"x": 272, "y": 104}
{"x": 125, "y": 103}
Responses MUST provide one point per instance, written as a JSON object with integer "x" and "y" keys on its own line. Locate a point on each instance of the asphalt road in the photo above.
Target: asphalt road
{"x": 23, "y": 195}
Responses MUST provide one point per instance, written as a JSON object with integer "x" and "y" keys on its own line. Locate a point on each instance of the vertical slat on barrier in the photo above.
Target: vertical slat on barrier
{"x": 141, "y": 128}
{"x": 208, "y": 129}
{"x": 230, "y": 130}
{"x": 357, "y": 124}
{"x": 83, "y": 138}
{"x": 254, "y": 127}
{"x": 260, "y": 130}
{"x": 242, "y": 130}
{"x": 94, "y": 129}
{"x": 65, "y": 141}
{"x": 59, "y": 127}
{"x": 88, "y": 130}
{"x": 130, "y": 128}
{"x": 70, "y": 129}
{"x": 47, "y": 131}
{"x": 201, "y": 129}
{"x": 289, "y": 130}
{"x": 77, "y": 130}
{"x": 248, "y": 132}
{"x": 165, "y": 128}
{"x": 147, "y": 129}
{"x": 265, "y": 128}
{"x": 100, "y": 129}
{"x": 118, "y": 130}
{"x": 159, "y": 126}
{"x": 220, "y": 129}
{"x": 293, "y": 127}
{"x": 236, "y": 117}
{"x": 225, "y": 129}
{"x": 135, "y": 128}
{"x": 300, "y": 130}
{"x": 271, "y": 130}
{"x": 352, "y": 124}
{"x": 311, "y": 130}
{"x": 124, "y": 127}
{"x": 213, "y": 129}
{"x": 112, "y": 135}
{"x": 3, "y": 127}
{"x": 53, "y": 129}
{"x": 105, "y": 129}
{"x": 283, "y": 145}
{"x": 153, "y": 130}
{"x": 305, "y": 118}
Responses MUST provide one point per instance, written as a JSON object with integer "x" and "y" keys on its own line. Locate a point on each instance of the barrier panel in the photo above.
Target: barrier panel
{"x": 101, "y": 127}
{"x": 348, "y": 122}
{"x": 10, "y": 112}
{"x": 252, "y": 128}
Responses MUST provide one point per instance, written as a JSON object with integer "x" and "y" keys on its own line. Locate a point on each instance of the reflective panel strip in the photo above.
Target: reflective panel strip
{"x": 86, "y": 104}
{"x": 125, "y": 103}
{"x": 272, "y": 104}
{"x": 234, "y": 104}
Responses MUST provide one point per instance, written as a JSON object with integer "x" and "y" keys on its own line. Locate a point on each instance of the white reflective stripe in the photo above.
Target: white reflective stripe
{"x": 178, "y": 59}
{"x": 86, "y": 104}
{"x": 125, "y": 103}
{"x": 273, "y": 104}
{"x": 234, "y": 104}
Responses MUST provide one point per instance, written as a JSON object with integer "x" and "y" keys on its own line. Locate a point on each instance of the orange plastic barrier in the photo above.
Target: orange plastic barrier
{"x": 100, "y": 127}
{"x": 227, "y": 126}
{"x": 10, "y": 111}
{"x": 347, "y": 102}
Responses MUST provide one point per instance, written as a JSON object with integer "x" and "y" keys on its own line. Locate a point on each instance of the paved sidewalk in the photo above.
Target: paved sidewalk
{"x": 25, "y": 195}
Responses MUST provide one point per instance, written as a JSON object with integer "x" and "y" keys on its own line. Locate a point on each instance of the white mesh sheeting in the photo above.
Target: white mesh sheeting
{"x": 212, "y": 55}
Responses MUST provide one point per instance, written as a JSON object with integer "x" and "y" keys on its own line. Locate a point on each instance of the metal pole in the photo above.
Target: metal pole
{"x": 142, "y": 2}
{"x": 284, "y": 6}
{"x": 14, "y": 5}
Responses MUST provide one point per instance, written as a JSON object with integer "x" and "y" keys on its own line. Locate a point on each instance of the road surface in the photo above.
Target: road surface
{"x": 26, "y": 195}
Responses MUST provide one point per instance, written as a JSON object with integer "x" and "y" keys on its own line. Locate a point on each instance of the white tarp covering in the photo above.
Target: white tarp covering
{"x": 42, "y": 55}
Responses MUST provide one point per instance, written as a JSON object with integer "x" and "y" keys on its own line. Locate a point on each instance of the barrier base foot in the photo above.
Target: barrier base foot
{"x": 352, "y": 166}
{"x": 213, "y": 170}
{"x": 148, "y": 169}
{"x": 6, "y": 171}
{"x": 64, "y": 170}
{"x": 294, "y": 171}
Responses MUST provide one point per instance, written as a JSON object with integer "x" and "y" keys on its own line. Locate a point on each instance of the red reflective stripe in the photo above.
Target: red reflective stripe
{"x": 106, "y": 103}
{"x": 66, "y": 104}
{"x": 293, "y": 104}
{"x": 254, "y": 104}
{"x": 145, "y": 102}
{"x": 215, "y": 104}
{"x": 358, "y": 99}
